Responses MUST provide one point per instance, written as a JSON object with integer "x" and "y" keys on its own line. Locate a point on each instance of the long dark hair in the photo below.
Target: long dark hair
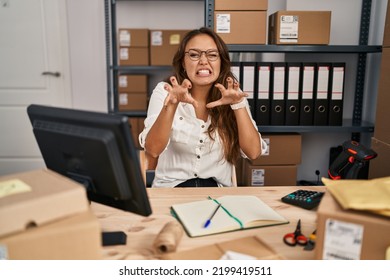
{"x": 223, "y": 119}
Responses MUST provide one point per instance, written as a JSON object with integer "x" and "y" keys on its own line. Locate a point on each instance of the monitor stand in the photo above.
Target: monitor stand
{"x": 114, "y": 238}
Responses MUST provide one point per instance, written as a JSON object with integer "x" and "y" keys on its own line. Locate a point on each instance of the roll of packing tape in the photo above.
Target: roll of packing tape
{"x": 168, "y": 238}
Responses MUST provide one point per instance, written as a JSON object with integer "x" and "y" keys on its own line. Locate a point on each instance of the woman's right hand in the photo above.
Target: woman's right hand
{"x": 179, "y": 93}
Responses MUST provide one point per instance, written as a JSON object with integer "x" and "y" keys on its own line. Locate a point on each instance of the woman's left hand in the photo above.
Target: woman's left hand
{"x": 230, "y": 95}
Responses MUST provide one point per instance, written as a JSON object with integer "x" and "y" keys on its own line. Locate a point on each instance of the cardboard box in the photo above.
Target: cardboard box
{"x": 133, "y": 83}
{"x": 250, "y": 246}
{"x": 299, "y": 27}
{"x": 379, "y": 166}
{"x": 347, "y": 234}
{"x": 241, "y": 27}
{"x": 75, "y": 237}
{"x": 137, "y": 101}
{"x": 386, "y": 36}
{"x": 382, "y": 131}
{"x": 136, "y": 125}
{"x": 133, "y": 56}
{"x": 242, "y": 5}
{"x": 269, "y": 175}
{"x": 164, "y": 44}
{"x": 38, "y": 197}
{"x": 128, "y": 37}
{"x": 283, "y": 149}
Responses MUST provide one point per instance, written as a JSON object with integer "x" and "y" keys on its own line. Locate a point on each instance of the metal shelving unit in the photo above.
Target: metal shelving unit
{"x": 355, "y": 125}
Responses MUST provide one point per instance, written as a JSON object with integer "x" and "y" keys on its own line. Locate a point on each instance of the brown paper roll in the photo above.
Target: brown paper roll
{"x": 168, "y": 238}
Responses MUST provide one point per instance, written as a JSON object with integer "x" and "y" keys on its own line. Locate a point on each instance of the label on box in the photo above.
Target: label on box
{"x": 288, "y": 29}
{"x": 124, "y": 54}
{"x": 123, "y": 100}
{"x": 342, "y": 241}
{"x": 13, "y": 187}
{"x": 3, "y": 252}
{"x": 266, "y": 153}
{"x": 124, "y": 38}
{"x": 258, "y": 177}
{"x": 174, "y": 39}
{"x": 223, "y": 23}
{"x": 156, "y": 38}
{"x": 123, "y": 81}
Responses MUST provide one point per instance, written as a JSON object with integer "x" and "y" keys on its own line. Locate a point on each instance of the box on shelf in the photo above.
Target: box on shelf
{"x": 133, "y": 56}
{"x": 269, "y": 175}
{"x": 44, "y": 215}
{"x": 283, "y": 149}
{"x": 128, "y": 37}
{"x": 241, "y": 27}
{"x": 137, "y": 101}
{"x": 348, "y": 234}
{"x": 299, "y": 27}
{"x": 382, "y": 131}
{"x": 163, "y": 45}
{"x": 133, "y": 83}
{"x": 379, "y": 166}
{"x": 242, "y": 5}
{"x": 136, "y": 125}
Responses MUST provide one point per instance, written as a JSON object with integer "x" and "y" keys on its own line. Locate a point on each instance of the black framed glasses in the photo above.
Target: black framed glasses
{"x": 195, "y": 54}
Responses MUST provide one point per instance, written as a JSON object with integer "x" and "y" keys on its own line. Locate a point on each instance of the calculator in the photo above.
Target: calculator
{"x": 304, "y": 198}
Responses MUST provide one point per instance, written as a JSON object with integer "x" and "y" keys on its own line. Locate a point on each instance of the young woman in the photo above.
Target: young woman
{"x": 199, "y": 123}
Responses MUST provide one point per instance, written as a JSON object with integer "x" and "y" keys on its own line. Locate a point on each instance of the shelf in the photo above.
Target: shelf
{"x": 347, "y": 127}
{"x": 141, "y": 69}
{"x": 305, "y": 48}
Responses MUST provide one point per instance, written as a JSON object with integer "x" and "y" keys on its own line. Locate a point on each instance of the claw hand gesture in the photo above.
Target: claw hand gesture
{"x": 179, "y": 93}
{"x": 230, "y": 95}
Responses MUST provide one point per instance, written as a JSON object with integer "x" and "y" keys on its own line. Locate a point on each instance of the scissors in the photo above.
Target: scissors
{"x": 296, "y": 237}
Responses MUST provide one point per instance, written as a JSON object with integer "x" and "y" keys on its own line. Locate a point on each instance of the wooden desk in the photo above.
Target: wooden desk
{"x": 141, "y": 231}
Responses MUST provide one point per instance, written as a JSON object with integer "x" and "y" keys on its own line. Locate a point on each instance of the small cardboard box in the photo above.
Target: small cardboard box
{"x": 76, "y": 237}
{"x": 269, "y": 175}
{"x": 137, "y": 101}
{"x": 251, "y": 247}
{"x": 128, "y": 37}
{"x": 283, "y": 149}
{"x": 242, "y": 5}
{"x": 38, "y": 197}
{"x": 133, "y": 83}
{"x": 299, "y": 27}
{"x": 164, "y": 44}
{"x": 379, "y": 166}
{"x": 241, "y": 27}
{"x": 348, "y": 234}
{"x": 133, "y": 56}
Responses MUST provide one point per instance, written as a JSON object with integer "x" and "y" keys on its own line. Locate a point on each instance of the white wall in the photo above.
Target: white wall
{"x": 87, "y": 50}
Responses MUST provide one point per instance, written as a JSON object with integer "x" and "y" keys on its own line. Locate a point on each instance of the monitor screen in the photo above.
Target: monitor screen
{"x": 94, "y": 149}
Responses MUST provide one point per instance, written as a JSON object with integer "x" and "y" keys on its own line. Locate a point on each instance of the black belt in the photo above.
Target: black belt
{"x": 198, "y": 182}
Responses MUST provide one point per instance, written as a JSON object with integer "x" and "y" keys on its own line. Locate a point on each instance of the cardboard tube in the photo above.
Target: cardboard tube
{"x": 168, "y": 238}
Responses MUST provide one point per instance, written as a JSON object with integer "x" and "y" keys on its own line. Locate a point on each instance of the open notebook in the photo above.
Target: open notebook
{"x": 236, "y": 212}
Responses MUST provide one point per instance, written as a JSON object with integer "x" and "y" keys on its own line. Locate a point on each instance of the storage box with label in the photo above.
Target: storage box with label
{"x": 164, "y": 44}
{"x": 283, "y": 149}
{"x": 133, "y": 83}
{"x": 299, "y": 27}
{"x": 241, "y": 27}
{"x": 133, "y": 101}
{"x": 269, "y": 175}
{"x": 44, "y": 215}
{"x": 241, "y": 5}
{"x": 133, "y": 47}
{"x": 349, "y": 234}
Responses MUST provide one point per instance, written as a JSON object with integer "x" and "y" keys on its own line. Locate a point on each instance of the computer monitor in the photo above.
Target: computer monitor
{"x": 95, "y": 149}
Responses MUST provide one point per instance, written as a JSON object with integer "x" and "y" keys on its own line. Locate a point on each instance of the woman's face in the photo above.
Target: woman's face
{"x": 201, "y": 61}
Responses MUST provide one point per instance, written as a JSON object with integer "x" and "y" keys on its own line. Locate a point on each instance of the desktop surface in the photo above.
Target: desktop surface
{"x": 141, "y": 231}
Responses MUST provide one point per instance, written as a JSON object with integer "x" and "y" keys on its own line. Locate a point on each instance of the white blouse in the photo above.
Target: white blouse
{"x": 190, "y": 153}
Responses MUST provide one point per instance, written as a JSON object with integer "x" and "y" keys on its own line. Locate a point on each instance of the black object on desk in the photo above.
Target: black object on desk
{"x": 114, "y": 238}
{"x": 304, "y": 198}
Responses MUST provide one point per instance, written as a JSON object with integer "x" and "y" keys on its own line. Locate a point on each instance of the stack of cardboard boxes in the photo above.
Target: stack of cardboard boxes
{"x": 241, "y": 22}
{"x": 44, "y": 215}
{"x": 278, "y": 166}
{"x": 380, "y": 143}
